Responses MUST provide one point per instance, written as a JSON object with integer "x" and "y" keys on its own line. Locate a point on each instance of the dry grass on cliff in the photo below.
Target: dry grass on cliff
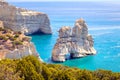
{"x": 11, "y": 40}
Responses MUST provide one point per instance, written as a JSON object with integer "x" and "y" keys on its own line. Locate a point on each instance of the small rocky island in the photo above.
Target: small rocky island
{"x": 73, "y": 43}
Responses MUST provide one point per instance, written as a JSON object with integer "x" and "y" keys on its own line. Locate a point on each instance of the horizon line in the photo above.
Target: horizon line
{"x": 62, "y": 1}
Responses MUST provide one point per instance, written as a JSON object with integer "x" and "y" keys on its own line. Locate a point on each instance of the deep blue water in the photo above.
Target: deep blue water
{"x": 103, "y": 19}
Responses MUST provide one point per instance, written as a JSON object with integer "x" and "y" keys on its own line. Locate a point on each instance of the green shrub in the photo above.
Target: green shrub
{"x": 8, "y": 70}
{"x": 30, "y": 68}
{"x": 8, "y": 35}
{"x": 3, "y": 38}
{"x": 16, "y": 36}
{"x": 12, "y": 38}
{"x": 19, "y": 32}
{"x": 17, "y": 42}
{"x": 1, "y": 29}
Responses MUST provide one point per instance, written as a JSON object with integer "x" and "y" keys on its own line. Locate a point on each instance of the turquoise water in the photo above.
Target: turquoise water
{"x": 103, "y": 21}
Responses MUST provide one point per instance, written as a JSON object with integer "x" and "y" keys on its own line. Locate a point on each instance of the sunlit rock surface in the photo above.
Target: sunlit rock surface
{"x": 24, "y": 20}
{"x": 75, "y": 42}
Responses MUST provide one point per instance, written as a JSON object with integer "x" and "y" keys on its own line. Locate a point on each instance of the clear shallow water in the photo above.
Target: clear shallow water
{"x": 103, "y": 20}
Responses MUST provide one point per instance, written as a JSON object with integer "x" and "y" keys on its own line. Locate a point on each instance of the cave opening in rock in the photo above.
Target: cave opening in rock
{"x": 37, "y": 33}
{"x": 69, "y": 56}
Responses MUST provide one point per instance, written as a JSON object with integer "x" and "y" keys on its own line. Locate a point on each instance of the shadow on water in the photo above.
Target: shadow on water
{"x": 76, "y": 62}
{"x": 38, "y": 33}
{"x": 80, "y": 61}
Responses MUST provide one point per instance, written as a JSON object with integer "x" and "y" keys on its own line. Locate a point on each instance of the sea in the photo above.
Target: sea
{"x": 103, "y": 20}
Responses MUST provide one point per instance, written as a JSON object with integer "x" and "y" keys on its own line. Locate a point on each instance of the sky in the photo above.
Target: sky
{"x": 58, "y": 0}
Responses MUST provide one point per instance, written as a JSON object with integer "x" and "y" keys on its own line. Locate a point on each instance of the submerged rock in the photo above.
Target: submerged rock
{"x": 75, "y": 42}
{"x": 24, "y": 20}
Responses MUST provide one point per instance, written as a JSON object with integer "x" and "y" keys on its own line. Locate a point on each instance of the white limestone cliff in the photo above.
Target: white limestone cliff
{"x": 75, "y": 42}
{"x": 23, "y": 20}
{"x": 20, "y": 52}
{"x": 15, "y": 45}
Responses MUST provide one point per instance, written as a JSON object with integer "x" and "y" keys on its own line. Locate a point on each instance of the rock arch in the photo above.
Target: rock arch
{"x": 23, "y": 20}
{"x": 74, "y": 41}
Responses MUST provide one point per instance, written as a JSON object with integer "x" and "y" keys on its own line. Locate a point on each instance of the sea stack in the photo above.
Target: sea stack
{"x": 26, "y": 21}
{"x": 73, "y": 43}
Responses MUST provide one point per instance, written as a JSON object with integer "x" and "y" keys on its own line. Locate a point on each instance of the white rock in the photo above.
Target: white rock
{"x": 24, "y": 20}
{"x": 76, "y": 42}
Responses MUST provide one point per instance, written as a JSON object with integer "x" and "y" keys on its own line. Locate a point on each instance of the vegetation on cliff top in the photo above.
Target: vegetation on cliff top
{"x": 11, "y": 40}
{"x": 30, "y": 68}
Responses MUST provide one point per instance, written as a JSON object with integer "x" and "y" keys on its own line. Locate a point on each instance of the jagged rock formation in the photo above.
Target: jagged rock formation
{"x": 75, "y": 42}
{"x": 15, "y": 45}
{"x": 23, "y": 20}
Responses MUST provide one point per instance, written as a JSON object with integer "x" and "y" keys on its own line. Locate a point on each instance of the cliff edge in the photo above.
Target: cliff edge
{"x": 15, "y": 45}
{"x": 73, "y": 43}
{"x": 26, "y": 21}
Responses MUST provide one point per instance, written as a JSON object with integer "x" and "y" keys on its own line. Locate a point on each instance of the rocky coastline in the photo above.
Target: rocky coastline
{"x": 15, "y": 45}
{"x": 15, "y": 23}
{"x": 72, "y": 42}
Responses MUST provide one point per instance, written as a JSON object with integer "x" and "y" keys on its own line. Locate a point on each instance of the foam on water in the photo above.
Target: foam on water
{"x": 104, "y": 28}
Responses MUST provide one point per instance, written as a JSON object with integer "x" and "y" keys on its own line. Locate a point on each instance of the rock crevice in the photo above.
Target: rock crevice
{"x": 75, "y": 42}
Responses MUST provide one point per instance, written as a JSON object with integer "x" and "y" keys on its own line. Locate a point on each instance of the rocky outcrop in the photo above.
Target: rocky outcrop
{"x": 15, "y": 45}
{"x": 22, "y": 51}
{"x": 75, "y": 42}
{"x": 23, "y": 20}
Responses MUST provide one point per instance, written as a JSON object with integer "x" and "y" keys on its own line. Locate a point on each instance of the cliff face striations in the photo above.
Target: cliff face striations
{"x": 15, "y": 45}
{"x": 23, "y": 20}
{"x": 73, "y": 43}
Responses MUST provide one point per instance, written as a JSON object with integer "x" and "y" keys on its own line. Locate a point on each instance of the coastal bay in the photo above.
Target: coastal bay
{"x": 103, "y": 22}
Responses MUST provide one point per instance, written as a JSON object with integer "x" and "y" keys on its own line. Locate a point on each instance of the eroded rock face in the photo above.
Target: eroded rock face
{"x": 20, "y": 52}
{"x": 15, "y": 45}
{"x": 75, "y": 42}
{"x": 23, "y": 20}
